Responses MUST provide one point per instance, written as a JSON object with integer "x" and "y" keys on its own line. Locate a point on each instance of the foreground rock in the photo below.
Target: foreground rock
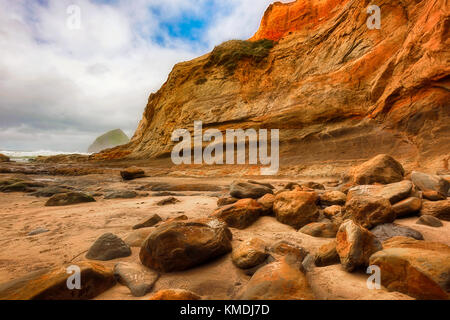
{"x": 70, "y": 198}
{"x": 132, "y": 173}
{"x": 241, "y": 214}
{"x": 323, "y": 229}
{"x": 150, "y": 222}
{"x": 176, "y": 295}
{"x": 419, "y": 269}
{"x": 52, "y": 284}
{"x": 244, "y": 190}
{"x": 369, "y": 211}
{"x": 430, "y": 221}
{"x": 390, "y": 230}
{"x": 407, "y": 207}
{"x": 437, "y": 209}
{"x": 249, "y": 254}
{"x": 136, "y": 277}
{"x": 108, "y": 247}
{"x": 296, "y": 208}
{"x": 434, "y": 187}
{"x": 279, "y": 280}
{"x": 355, "y": 245}
{"x": 180, "y": 245}
{"x": 382, "y": 169}
{"x": 327, "y": 255}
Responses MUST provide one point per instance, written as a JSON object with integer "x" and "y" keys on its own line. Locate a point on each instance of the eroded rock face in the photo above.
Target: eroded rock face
{"x": 180, "y": 245}
{"x": 419, "y": 269}
{"x": 382, "y": 169}
{"x": 249, "y": 254}
{"x": 369, "y": 211}
{"x": 241, "y": 214}
{"x": 279, "y": 280}
{"x": 244, "y": 190}
{"x": 304, "y": 85}
{"x": 434, "y": 187}
{"x": 437, "y": 209}
{"x": 355, "y": 245}
{"x": 70, "y": 198}
{"x": 52, "y": 284}
{"x": 296, "y": 208}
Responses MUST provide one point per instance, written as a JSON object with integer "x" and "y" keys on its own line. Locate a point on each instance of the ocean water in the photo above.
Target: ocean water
{"x": 24, "y": 156}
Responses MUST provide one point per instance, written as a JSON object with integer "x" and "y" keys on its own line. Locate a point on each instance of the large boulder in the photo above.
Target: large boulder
{"x": 132, "y": 173}
{"x": 279, "y": 280}
{"x": 393, "y": 192}
{"x": 390, "y": 230}
{"x": 434, "y": 187}
{"x": 249, "y": 254}
{"x": 52, "y": 284}
{"x": 139, "y": 279}
{"x": 419, "y": 269}
{"x": 382, "y": 169}
{"x": 108, "y": 247}
{"x": 70, "y": 198}
{"x": 296, "y": 208}
{"x": 244, "y": 190}
{"x": 355, "y": 245}
{"x": 407, "y": 207}
{"x": 180, "y": 245}
{"x": 323, "y": 229}
{"x": 437, "y": 209}
{"x": 241, "y": 214}
{"x": 369, "y": 211}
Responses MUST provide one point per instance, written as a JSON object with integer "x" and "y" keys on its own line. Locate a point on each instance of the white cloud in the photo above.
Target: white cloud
{"x": 61, "y": 88}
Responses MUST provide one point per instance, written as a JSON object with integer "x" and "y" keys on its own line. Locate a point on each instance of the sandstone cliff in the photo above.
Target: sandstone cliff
{"x": 337, "y": 90}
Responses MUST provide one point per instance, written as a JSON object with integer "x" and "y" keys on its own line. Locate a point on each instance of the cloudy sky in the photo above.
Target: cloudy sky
{"x": 71, "y": 70}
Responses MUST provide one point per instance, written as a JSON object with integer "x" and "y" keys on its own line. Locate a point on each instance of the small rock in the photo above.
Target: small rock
{"x": 167, "y": 201}
{"x": 244, "y": 190}
{"x": 65, "y": 199}
{"x": 382, "y": 169}
{"x": 313, "y": 185}
{"x": 38, "y": 231}
{"x": 282, "y": 249}
{"x": 327, "y": 255}
{"x": 430, "y": 221}
{"x": 108, "y": 247}
{"x": 331, "y": 198}
{"x": 180, "y": 245}
{"x": 136, "y": 238}
{"x": 176, "y": 295}
{"x": 320, "y": 229}
{"x": 241, "y": 214}
{"x": 277, "y": 281}
{"x": 369, "y": 211}
{"x": 407, "y": 207}
{"x": 355, "y": 245}
{"x": 122, "y": 194}
{"x": 437, "y": 209}
{"x": 136, "y": 277}
{"x": 266, "y": 203}
{"x": 132, "y": 173}
{"x": 390, "y": 230}
{"x": 434, "y": 187}
{"x": 150, "y": 222}
{"x": 296, "y": 208}
{"x": 225, "y": 201}
{"x": 249, "y": 254}
{"x": 332, "y": 212}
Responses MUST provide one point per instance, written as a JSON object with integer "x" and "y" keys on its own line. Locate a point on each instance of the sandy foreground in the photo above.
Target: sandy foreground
{"x": 73, "y": 229}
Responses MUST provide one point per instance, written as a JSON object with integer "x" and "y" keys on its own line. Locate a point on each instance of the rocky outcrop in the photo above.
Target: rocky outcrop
{"x": 109, "y": 140}
{"x": 338, "y": 91}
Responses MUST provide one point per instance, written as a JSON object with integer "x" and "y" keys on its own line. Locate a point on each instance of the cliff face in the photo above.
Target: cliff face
{"x": 336, "y": 90}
